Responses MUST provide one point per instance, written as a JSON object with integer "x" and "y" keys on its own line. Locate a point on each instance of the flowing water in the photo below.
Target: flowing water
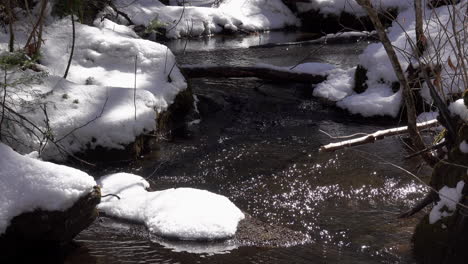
{"x": 258, "y": 144}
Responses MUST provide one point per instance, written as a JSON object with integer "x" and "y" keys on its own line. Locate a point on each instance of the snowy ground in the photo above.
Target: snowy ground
{"x": 27, "y": 184}
{"x": 192, "y": 21}
{"x": 183, "y": 213}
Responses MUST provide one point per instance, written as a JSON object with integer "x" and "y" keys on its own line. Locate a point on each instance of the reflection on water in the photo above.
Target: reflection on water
{"x": 260, "y": 150}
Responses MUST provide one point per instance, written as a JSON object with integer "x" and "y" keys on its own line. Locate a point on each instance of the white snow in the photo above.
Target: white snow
{"x": 246, "y": 15}
{"x": 183, "y": 213}
{"x": 27, "y": 184}
{"x": 459, "y": 108}
{"x": 464, "y": 147}
{"x": 449, "y": 197}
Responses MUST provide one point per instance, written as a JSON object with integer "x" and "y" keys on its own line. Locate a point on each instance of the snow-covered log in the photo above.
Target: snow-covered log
{"x": 371, "y": 138}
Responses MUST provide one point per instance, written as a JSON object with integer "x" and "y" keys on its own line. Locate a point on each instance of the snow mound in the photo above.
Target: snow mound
{"x": 338, "y": 85}
{"x": 183, "y": 213}
{"x": 250, "y": 15}
{"x": 449, "y": 197}
{"x": 379, "y": 101}
{"x": 28, "y": 184}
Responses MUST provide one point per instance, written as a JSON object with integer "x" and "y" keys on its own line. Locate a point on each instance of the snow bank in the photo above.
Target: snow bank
{"x": 259, "y": 15}
{"x": 107, "y": 58}
{"x": 28, "y": 184}
{"x": 449, "y": 197}
{"x": 184, "y": 213}
{"x": 336, "y": 7}
{"x": 97, "y": 105}
{"x": 249, "y": 15}
{"x": 379, "y": 99}
{"x": 83, "y": 117}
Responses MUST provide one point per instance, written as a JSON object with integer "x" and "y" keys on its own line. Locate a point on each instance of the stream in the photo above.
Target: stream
{"x": 257, "y": 143}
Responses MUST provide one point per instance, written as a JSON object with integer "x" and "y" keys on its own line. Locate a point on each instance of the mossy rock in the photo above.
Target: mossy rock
{"x": 49, "y": 228}
{"x": 173, "y": 121}
{"x": 360, "y": 79}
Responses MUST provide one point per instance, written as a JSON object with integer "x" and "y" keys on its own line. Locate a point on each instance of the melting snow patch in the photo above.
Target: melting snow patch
{"x": 183, "y": 213}
{"x": 27, "y": 184}
{"x": 449, "y": 197}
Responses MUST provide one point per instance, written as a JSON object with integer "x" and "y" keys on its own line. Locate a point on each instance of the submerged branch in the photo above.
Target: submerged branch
{"x": 261, "y": 72}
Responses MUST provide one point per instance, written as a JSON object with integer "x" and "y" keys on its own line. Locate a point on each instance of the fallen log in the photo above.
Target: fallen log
{"x": 262, "y": 72}
{"x": 371, "y": 138}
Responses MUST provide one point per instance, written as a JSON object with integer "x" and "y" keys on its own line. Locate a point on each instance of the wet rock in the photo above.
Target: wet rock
{"x": 49, "y": 229}
{"x": 360, "y": 79}
{"x": 173, "y": 121}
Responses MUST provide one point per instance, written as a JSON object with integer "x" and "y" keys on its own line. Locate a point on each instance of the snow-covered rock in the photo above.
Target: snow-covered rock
{"x": 28, "y": 184}
{"x": 183, "y": 213}
{"x": 449, "y": 197}
{"x": 232, "y": 15}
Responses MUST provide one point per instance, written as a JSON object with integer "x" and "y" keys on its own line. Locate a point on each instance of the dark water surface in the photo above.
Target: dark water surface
{"x": 258, "y": 144}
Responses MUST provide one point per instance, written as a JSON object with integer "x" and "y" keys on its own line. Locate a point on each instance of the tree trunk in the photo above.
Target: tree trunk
{"x": 11, "y": 43}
